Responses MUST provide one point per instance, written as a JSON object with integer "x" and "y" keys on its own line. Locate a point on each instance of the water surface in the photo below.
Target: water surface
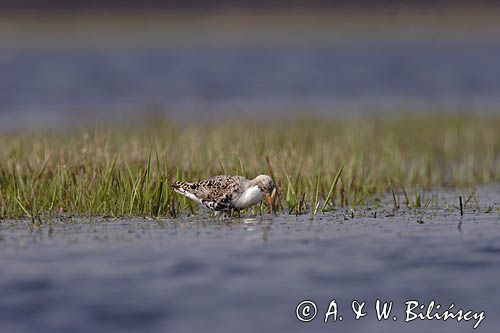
{"x": 61, "y": 70}
{"x": 248, "y": 275}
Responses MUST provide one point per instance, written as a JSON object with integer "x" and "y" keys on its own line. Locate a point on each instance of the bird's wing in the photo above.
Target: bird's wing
{"x": 216, "y": 192}
{"x": 218, "y": 187}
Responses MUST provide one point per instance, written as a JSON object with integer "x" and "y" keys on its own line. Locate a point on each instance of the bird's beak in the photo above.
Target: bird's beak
{"x": 269, "y": 199}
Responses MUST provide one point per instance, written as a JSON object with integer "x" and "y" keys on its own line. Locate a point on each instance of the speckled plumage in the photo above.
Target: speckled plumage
{"x": 225, "y": 193}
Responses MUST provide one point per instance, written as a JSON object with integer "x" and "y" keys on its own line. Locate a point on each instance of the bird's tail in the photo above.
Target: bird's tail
{"x": 179, "y": 187}
{"x": 183, "y": 188}
{"x": 178, "y": 184}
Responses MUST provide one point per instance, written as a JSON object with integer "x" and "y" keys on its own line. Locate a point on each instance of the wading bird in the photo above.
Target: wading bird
{"x": 225, "y": 194}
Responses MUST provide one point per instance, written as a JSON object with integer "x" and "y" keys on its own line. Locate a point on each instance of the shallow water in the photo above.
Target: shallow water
{"x": 249, "y": 274}
{"x": 47, "y": 88}
{"x": 58, "y": 71}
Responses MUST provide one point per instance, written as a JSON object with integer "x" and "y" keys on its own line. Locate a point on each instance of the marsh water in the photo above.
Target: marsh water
{"x": 87, "y": 70}
{"x": 249, "y": 274}
{"x": 59, "y": 86}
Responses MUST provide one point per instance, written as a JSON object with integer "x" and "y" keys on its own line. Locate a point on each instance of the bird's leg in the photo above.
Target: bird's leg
{"x": 239, "y": 213}
{"x": 236, "y": 213}
{"x": 221, "y": 215}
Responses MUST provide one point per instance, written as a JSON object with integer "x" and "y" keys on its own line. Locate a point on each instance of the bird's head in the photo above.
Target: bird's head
{"x": 266, "y": 184}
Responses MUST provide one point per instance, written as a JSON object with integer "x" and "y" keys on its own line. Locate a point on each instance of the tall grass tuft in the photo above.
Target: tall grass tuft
{"x": 126, "y": 170}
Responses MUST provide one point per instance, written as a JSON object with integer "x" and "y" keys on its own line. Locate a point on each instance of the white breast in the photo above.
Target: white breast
{"x": 250, "y": 197}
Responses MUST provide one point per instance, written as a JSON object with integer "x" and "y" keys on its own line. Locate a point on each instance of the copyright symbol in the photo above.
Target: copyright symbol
{"x": 306, "y": 311}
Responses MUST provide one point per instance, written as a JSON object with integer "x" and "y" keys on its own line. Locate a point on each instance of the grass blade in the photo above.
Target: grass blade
{"x": 333, "y": 186}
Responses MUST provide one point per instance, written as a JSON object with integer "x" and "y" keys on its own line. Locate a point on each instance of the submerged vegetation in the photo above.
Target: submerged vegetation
{"x": 318, "y": 164}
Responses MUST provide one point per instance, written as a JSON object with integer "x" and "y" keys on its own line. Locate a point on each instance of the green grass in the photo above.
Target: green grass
{"x": 318, "y": 164}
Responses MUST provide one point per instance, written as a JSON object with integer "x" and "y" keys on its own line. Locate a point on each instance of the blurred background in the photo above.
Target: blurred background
{"x": 72, "y": 62}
